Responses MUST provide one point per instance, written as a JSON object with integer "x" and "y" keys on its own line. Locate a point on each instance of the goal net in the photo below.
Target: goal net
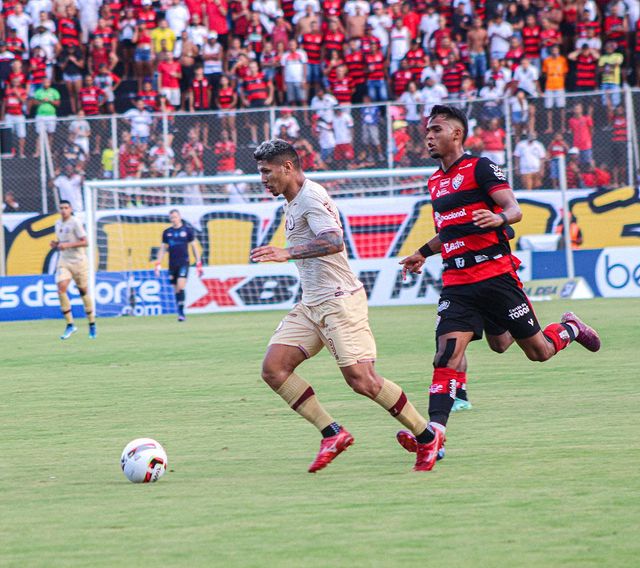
{"x": 231, "y": 215}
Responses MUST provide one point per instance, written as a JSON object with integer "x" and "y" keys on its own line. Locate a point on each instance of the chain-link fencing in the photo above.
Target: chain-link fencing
{"x": 596, "y": 131}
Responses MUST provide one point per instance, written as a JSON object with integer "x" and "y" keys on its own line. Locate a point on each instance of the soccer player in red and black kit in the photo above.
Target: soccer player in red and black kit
{"x": 473, "y": 206}
{"x": 176, "y": 240}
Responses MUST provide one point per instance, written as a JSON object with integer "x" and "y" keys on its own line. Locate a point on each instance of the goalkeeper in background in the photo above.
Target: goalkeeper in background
{"x": 176, "y": 240}
{"x": 71, "y": 240}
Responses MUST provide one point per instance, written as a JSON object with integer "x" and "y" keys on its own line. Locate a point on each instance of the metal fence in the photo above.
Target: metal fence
{"x": 514, "y": 131}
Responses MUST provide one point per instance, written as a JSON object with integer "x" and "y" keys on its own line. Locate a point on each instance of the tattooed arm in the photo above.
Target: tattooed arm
{"x": 324, "y": 244}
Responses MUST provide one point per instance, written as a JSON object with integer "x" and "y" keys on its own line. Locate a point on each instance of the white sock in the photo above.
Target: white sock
{"x": 574, "y": 328}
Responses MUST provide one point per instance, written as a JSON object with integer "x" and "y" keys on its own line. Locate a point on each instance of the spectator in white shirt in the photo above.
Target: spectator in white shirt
{"x": 20, "y": 21}
{"x": 89, "y": 14}
{"x": 140, "y": 120}
{"x": 69, "y": 186}
{"x": 269, "y": 12}
{"x": 399, "y": 43}
{"x": 429, "y": 23}
{"x": 500, "y": 33}
{"x": 289, "y": 123}
{"x": 529, "y": 157}
{"x": 323, "y": 103}
{"x": 350, "y": 8}
{"x": 527, "y": 76}
{"x": 177, "y": 16}
{"x": 381, "y": 23}
{"x": 432, "y": 94}
{"x": 294, "y": 63}
{"x": 343, "y": 132}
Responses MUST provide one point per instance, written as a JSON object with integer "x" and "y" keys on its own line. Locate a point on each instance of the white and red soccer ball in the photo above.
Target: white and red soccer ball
{"x": 143, "y": 460}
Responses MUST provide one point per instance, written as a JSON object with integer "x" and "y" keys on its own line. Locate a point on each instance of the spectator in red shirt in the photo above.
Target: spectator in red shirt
{"x": 225, "y": 150}
{"x": 581, "y": 127}
{"x": 227, "y": 99}
{"x": 193, "y": 152}
{"x": 170, "y": 73}
{"x": 216, "y": 19}
{"x": 142, "y": 55}
{"x": 13, "y": 105}
{"x": 493, "y": 140}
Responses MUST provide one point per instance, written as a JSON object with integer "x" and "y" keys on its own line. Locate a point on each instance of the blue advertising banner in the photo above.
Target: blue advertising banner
{"x": 117, "y": 294}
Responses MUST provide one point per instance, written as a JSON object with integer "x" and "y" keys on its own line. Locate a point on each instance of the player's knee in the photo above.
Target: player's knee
{"x": 538, "y": 354}
{"x": 274, "y": 374}
{"x": 365, "y": 382}
{"x": 82, "y": 291}
{"x": 446, "y": 355}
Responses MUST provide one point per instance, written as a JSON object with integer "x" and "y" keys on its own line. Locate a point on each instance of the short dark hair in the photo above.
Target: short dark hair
{"x": 174, "y": 211}
{"x": 277, "y": 150}
{"x": 455, "y": 114}
{"x": 66, "y": 202}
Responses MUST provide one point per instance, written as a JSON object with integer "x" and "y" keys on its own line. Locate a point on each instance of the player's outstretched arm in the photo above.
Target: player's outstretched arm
{"x": 324, "y": 244}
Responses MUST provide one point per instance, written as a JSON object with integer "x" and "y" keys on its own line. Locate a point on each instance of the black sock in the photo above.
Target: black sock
{"x": 180, "y": 301}
{"x": 572, "y": 334}
{"x": 331, "y": 430}
{"x": 461, "y": 394}
{"x": 440, "y": 408}
{"x": 425, "y": 437}
{"x": 92, "y": 324}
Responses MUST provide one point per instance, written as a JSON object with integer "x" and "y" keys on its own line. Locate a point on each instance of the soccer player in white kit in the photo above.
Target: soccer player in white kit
{"x": 71, "y": 240}
{"x": 333, "y": 312}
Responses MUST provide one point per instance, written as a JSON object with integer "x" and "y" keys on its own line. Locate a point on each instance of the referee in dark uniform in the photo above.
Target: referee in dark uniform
{"x": 176, "y": 240}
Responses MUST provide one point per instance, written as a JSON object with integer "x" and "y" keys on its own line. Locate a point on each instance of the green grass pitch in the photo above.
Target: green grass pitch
{"x": 543, "y": 472}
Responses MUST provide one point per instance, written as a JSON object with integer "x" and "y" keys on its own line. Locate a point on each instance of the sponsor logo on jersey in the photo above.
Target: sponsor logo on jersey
{"x": 442, "y": 306}
{"x": 460, "y": 262}
{"x": 457, "y": 181}
{"x": 439, "y": 218}
{"x": 455, "y": 245}
{"x": 445, "y": 182}
{"x": 466, "y": 166}
{"x": 441, "y": 192}
{"x": 183, "y": 233}
{"x": 498, "y": 172}
{"x": 519, "y": 311}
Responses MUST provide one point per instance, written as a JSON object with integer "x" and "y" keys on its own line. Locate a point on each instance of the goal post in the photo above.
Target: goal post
{"x": 231, "y": 214}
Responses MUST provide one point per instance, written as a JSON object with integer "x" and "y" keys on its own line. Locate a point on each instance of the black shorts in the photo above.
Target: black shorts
{"x": 495, "y": 305}
{"x": 176, "y": 272}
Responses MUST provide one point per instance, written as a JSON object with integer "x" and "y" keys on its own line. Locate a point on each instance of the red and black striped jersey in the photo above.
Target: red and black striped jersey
{"x": 287, "y": 9}
{"x": 200, "y": 90}
{"x": 586, "y": 71}
{"x": 150, "y": 99}
{"x": 452, "y": 77}
{"x": 147, "y": 17}
{"x": 355, "y": 63}
{"x": 255, "y": 35}
{"x": 99, "y": 56}
{"x": 69, "y": 31}
{"x": 225, "y": 97}
{"x": 342, "y": 89}
{"x": 415, "y": 57}
{"x": 614, "y": 31}
{"x": 115, "y": 9}
{"x": 312, "y": 44}
{"x": 619, "y": 133}
{"x": 550, "y": 37}
{"x": 255, "y": 87}
{"x": 367, "y": 41}
{"x": 107, "y": 34}
{"x": 332, "y": 8}
{"x": 16, "y": 46}
{"x": 334, "y": 40}
{"x": 14, "y": 99}
{"x": 637, "y": 44}
{"x": 531, "y": 41}
{"x": 469, "y": 253}
{"x": 37, "y": 70}
{"x": 91, "y": 98}
{"x": 400, "y": 80}
{"x": 582, "y": 27}
{"x": 21, "y": 76}
{"x": 375, "y": 66}
{"x": 9, "y": 7}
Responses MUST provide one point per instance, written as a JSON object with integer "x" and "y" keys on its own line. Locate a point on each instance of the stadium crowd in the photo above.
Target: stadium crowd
{"x": 136, "y": 58}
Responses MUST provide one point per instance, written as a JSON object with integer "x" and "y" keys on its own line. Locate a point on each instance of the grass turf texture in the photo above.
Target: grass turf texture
{"x": 543, "y": 471}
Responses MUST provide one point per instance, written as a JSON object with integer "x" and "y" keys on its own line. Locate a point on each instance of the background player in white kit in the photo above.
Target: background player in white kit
{"x": 71, "y": 240}
{"x": 333, "y": 311}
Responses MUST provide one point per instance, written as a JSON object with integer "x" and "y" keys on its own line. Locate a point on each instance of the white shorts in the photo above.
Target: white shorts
{"x": 173, "y": 95}
{"x": 554, "y": 98}
{"x": 46, "y": 123}
{"x": 18, "y": 123}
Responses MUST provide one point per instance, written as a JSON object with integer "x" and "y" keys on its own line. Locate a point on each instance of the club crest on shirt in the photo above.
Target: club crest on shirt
{"x": 290, "y": 223}
{"x": 457, "y": 181}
